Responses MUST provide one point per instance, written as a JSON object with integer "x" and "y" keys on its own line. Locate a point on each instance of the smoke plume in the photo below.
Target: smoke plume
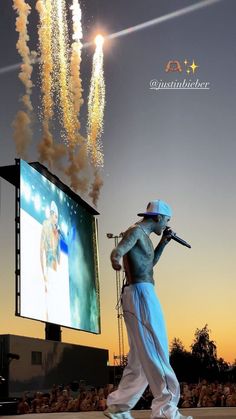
{"x": 77, "y": 169}
{"x": 22, "y": 132}
{"x": 61, "y": 95}
{"x": 49, "y": 151}
{"x": 96, "y": 186}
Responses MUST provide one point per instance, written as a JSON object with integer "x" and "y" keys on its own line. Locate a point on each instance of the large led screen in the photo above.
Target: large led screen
{"x": 58, "y": 255}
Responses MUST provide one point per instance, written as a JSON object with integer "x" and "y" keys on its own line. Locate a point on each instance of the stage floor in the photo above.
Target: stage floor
{"x": 207, "y": 413}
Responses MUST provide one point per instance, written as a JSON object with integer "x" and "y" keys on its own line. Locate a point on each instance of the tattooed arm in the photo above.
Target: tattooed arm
{"x": 166, "y": 237}
{"x": 129, "y": 239}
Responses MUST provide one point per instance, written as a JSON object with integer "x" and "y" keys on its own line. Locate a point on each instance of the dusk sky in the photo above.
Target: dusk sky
{"x": 177, "y": 145}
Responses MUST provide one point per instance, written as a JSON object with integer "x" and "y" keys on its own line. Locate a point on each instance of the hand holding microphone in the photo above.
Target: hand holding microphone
{"x": 172, "y": 235}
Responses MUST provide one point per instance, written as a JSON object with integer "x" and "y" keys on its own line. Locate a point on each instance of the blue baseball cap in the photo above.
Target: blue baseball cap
{"x": 157, "y": 207}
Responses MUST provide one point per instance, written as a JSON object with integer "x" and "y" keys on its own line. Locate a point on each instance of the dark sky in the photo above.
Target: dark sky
{"x": 176, "y": 145}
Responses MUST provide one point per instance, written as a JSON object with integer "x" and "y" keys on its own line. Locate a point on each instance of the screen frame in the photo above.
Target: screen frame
{"x": 56, "y": 181}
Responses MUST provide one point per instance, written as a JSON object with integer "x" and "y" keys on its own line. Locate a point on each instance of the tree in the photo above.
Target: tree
{"x": 205, "y": 350}
{"x": 222, "y": 365}
{"x": 182, "y": 362}
{"x": 176, "y": 346}
{"x": 201, "y": 362}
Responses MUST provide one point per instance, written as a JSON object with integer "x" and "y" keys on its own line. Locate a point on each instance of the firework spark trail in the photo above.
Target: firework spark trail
{"x": 70, "y": 95}
{"x": 46, "y": 146}
{"x": 78, "y": 162}
{"x": 69, "y": 122}
{"x": 45, "y": 42}
{"x": 96, "y": 104}
{"x": 22, "y": 123}
{"x": 76, "y": 48}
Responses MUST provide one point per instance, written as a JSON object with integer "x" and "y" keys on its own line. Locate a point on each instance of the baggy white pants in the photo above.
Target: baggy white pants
{"x": 51, "y": 296}
{"x": 148, "y": 359}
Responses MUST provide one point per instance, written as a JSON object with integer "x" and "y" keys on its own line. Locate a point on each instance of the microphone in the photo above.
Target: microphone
{"x": 175, "y": 237}
{"x": 59, "y": 231}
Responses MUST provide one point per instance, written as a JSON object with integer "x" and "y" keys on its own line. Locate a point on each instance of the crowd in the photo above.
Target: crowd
{"x": 62, "y": 399}
{"x": 208, "y": 395}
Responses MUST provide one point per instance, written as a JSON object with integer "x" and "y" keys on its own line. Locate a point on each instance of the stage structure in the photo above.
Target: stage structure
{"x": 31, "y": 364}
{"x": 57, "y": 282}
{"x": 57, "y": 278}
{"x": 120, "y": 326}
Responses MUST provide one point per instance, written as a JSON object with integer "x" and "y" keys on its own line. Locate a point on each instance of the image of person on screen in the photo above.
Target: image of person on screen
{"x": 50, "y": 253}
{"x": 148, "y": 359}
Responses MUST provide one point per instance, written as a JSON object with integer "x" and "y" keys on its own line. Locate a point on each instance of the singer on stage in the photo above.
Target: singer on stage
{"x": 50, "y": 259}
{"x": 148, "y": 359}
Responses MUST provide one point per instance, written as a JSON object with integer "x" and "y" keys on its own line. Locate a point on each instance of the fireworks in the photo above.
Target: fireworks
{"x": 44, "y": 9}
{"x": 75, "y": 61}
{"x": 45, "y": 39}
{"x": 69, "y": 119}
{"x": 96, "y": 104}
{"x": 61, "y": 92}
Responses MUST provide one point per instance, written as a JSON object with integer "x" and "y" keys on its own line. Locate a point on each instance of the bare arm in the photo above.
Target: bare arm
{"x": 166, "y": 237}
{"x": 158, "y": 252}
{"x": 128, "y": 241}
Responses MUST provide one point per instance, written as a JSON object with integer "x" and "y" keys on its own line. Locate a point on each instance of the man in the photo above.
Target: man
{"x": 148, "y": 360}
{"x": 50, "y": 257}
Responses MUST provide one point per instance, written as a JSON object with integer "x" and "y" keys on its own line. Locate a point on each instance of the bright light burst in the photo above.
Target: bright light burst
{"x": 99, "y": 40}
{"x": 96, "y": 104}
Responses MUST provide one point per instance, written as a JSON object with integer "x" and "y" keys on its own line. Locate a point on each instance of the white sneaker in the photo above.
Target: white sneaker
{"x": 177, "y": 416}
{"x": 111, "y": 413}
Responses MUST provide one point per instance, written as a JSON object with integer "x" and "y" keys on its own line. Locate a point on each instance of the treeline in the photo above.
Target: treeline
{"x": 201, "y": 361}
